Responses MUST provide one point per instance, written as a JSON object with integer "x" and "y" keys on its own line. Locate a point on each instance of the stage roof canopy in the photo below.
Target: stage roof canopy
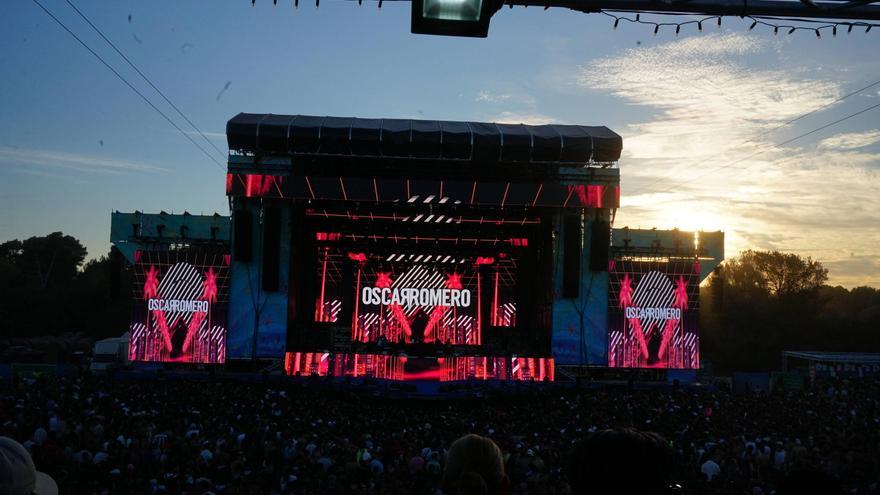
{"x": 130, "y": 232}
{"x": 477, "y": 142}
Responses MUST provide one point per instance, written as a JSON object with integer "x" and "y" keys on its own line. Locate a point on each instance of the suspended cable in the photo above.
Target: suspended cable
{"x": 147, "y": 79}
{"x": 784, "y": 124}
{"x": 768, "y": 148}
{"x": 124, "y": 80}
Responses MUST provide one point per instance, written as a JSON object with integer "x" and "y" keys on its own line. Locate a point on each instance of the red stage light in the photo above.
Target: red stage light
{"x": 258, "y": 185}
{"x": 442, "y": 369}
{"x": 357, "y": 256}
{"x": 328, "y": 236}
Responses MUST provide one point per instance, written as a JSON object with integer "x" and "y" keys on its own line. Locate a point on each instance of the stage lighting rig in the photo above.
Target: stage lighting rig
{"x": 469, "y": 18}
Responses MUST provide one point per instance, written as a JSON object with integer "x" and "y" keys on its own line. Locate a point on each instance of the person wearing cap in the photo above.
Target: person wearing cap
{"x": 18, "y": 475}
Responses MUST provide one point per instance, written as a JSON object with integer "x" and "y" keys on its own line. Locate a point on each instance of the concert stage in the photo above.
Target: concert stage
{"x": 438, "y": 243}
{"x": 412, "y": 249}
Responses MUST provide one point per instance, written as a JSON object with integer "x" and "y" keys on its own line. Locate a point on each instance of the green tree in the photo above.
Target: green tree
{"x": 51, "y": 260}
{"x": 10, "y": 251}
{"x": 99, "y": 314}
{"x": 761, "y": 303}
{"x": 46, "y": 289}
{"x": 36, "y": 279}
{"x": 773, "y": 272}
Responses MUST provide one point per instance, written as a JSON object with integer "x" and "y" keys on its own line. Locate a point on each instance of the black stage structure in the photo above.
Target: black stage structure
{"x": 410, "y": 249}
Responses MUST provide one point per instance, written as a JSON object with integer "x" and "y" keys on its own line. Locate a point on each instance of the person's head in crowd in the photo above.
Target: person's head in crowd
{"x": 809, "y": 480}
{"x": 474, "y": 466}
{"x": 622, "y": 460}
{"x": 18, "y": 475}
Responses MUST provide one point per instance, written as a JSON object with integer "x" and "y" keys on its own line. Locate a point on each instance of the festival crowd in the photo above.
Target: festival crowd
{"x": 98, "y": 435}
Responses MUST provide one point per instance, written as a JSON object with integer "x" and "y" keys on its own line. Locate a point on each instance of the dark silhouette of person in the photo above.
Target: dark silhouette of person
{"x": 178, "y": 336}
{"x": 474, "y": 466}
{"x": 809, "y": 480}
{"x": 417, "y": 325}
{"x": 654, "y": 346}
{"x": 622, "y": 460}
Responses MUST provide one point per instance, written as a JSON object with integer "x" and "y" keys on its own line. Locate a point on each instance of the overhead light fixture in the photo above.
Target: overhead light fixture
{"x": 468, "y": 18}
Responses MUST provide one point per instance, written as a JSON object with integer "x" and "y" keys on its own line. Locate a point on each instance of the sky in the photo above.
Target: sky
{"x": 705, "y": 115}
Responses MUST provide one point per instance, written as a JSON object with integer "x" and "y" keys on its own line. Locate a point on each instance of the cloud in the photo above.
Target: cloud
{"x": 10, "y": 156}
{"x": 702, "y": 157}
{"x": 491, "y": 97}
{"x": 524, "y": 118}
{"x": 709, "y": 103}
{"x": 851, "y": 266}
{"x": 43, "y": 173}
{"x": 851, "y": 140}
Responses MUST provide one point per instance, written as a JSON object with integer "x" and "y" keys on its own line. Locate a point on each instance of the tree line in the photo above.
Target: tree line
{"x": 760, "y": 303}
{"x": 47, "y": 288}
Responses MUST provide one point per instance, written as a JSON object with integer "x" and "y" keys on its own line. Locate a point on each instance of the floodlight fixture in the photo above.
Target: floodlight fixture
{"x": 469, "y": 18}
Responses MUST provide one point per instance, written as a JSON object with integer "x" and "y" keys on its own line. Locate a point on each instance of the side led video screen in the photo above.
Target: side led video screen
{"x": 179, "y": 312}
{"x": 653, "y": 314}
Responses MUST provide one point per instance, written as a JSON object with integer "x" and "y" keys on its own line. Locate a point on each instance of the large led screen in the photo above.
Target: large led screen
{"x": 403, "y": 298}
{"x": 179, "y": 312}
{"x": 653, "y": 314}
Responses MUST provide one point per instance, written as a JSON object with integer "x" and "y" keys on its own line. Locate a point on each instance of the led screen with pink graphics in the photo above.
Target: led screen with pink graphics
{"x": 653, "y": 313}
{"x": 180, "y": 300}
{"x": 415, "y": 297}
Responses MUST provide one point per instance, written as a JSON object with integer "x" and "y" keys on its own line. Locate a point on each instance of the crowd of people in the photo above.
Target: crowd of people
{"x": 98, "y": 435}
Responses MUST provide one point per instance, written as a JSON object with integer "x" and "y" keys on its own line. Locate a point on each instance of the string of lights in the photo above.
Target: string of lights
{"x": 317, "y": 3}
{"x": 766, "y": 21}
{"x": 471, "y": 17}
{"x": 784, "y": 26}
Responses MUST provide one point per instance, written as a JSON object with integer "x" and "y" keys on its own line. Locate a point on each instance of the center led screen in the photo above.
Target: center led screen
{"x": 407, "y": 298}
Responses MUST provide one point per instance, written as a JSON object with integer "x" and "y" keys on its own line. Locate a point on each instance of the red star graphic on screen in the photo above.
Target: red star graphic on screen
{"x": 383, "y": 281}
{"x": 151, "y": 286}
{"x": 624, "y": 300}
{"x": 453, "y": 281}
{"x": 681, "y": 295}
{"x": 626, "y": 292}
{"x": 210, "y": 293}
